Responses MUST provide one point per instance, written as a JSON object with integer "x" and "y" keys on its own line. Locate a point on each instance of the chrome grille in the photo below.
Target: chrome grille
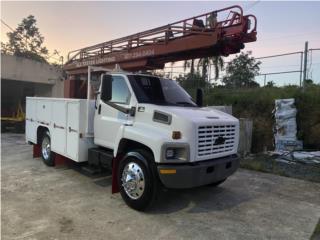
{"x": 214, "y": 139}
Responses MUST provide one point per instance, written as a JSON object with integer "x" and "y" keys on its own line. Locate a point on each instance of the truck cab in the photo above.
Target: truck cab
{"x": 146, "y": 129}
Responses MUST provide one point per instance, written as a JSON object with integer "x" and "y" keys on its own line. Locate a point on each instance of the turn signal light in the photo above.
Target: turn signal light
{"x": 168, "y": 171}
{"x": 176, "y": 135}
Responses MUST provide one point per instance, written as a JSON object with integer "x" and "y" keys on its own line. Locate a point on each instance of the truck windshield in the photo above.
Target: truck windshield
{"x": 159, "y": 91}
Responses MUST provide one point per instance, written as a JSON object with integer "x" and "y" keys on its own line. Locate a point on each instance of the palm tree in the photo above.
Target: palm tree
{"x": 171, "y": 73}
{"x": 216, "y": 61}
{"x": 188, "y": 64}
{"x": 218, "y": 64}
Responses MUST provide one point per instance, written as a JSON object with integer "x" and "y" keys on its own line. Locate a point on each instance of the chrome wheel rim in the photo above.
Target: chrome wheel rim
{"x": 133, "y": 181}
{"x": 46, "y": 148}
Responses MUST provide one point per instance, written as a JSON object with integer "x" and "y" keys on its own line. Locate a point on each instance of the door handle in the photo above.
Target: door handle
{"x": 99, "y": 109}
{"x": 72, "y": 130}
{"x": 56, "y": 126}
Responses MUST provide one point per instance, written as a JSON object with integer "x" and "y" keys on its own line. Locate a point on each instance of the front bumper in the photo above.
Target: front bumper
{"x": 197, "y": 173}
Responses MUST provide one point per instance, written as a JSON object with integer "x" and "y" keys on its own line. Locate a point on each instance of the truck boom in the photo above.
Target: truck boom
{"x": 220, "y": 32}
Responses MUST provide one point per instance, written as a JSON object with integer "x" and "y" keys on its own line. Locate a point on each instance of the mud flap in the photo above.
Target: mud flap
{"x": 115, "y": 166}
{"x": 60, "y": 160}
{"x": 36, "y": 150}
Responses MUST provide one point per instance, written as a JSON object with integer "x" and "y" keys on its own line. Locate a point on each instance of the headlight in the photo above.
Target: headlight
{"x": 175, "y": 152}
{"x": 170, "y": 153}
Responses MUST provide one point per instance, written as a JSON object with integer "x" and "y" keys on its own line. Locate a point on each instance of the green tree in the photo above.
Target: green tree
{"x": 240, "y": 72}
{"x": 26, "y": 41}
{"x": 270, "y": 84}
{"x": 192, "y": 81}
{"x": 309, "y": 82}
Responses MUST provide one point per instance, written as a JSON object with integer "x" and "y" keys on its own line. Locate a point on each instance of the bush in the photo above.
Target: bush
{"x": 258, "y": 104}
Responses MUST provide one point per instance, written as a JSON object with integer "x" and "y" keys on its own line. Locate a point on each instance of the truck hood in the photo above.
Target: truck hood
{"x": 197, "y": 114}
{"x": 187, "y": 120}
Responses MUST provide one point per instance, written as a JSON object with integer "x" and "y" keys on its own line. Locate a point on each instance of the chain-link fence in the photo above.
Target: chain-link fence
{"x": 281, "y": 69}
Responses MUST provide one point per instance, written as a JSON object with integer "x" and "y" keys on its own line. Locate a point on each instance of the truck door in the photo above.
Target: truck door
{"x": 108, "y": 120}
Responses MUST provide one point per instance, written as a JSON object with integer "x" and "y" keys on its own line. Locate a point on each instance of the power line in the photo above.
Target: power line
{"x": 27, "y": 40}
{"x": 12, "y": 30}
{"x": 274, "y": 73}
{"x": 251, "y": 5}
{"x": 280, "y": 66}
{"x": 279, "y": 55}
{"x": 292, "y": 35}
{"x": 4, "y": 23}
{"x": 295, "y": 42}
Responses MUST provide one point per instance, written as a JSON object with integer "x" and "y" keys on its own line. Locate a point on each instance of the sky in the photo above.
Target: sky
{"x": 282, "y": 26}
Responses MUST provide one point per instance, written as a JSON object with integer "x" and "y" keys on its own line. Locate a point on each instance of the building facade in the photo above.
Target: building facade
{"x": 21, "y": 77}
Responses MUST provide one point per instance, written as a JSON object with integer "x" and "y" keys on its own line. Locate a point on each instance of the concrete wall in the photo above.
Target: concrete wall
{"x": 21, "y": 69}
{"x": 21, "y": 78}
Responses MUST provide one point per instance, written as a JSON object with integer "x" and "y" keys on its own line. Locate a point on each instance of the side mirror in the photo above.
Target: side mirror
{"x": 132, "y": 111}
{"x": 199, "y": 100}
{"x": 106, "y": 88}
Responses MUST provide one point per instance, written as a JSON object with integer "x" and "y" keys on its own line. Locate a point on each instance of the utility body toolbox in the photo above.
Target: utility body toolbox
{"x": 67, "y": 123}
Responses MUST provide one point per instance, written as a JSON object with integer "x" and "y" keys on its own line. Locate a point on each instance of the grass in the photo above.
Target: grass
{"x": 259, "y": 162}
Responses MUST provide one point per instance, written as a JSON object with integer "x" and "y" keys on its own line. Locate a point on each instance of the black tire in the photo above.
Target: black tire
{"x": 215, "y": 184}
{"x": 47, "y": 156}
{"x": 144, "y": 161}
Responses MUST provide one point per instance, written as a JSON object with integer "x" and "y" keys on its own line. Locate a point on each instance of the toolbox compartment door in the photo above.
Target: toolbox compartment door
{"x": 73, "y": 118}
{"x": 31, "y": 124}
{"x": 44, "y": 112}
{"x": 59, "y": 127}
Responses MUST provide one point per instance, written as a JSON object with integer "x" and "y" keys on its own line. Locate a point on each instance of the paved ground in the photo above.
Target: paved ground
{"x": 39, "y": 202}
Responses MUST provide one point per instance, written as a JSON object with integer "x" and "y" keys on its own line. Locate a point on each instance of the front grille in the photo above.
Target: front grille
{"x": 214, "y": 139}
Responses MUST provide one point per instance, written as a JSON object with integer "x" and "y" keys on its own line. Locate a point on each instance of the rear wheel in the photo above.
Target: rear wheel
{"x": 138, "y": 183}
{"x": 46, "y": 153}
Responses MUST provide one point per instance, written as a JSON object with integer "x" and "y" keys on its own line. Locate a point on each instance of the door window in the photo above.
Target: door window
{"x": 120, "y": 90}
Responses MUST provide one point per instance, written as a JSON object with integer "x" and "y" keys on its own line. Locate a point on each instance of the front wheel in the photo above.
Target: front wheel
{"x": 138, "y": 183}
{"x": 46, "y": 153}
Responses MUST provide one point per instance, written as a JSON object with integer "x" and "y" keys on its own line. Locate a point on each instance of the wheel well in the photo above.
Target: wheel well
{"x": 40, "y": 131}
{"x": 126, "y": 145}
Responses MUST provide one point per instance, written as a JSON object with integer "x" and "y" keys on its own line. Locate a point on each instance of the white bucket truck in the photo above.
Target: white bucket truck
{"x": 146, "y": 129}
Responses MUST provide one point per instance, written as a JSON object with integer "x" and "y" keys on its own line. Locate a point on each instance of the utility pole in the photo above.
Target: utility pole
{"x": 305, "y": 64}
{"x": 301, "y": 64}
